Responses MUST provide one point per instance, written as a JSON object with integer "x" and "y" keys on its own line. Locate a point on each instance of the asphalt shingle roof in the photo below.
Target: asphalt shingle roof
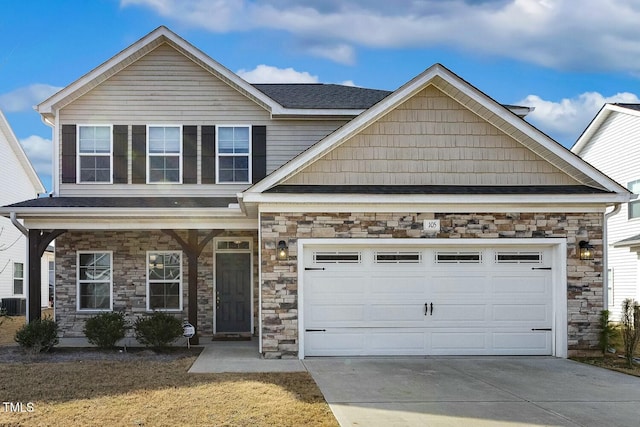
{"x": 322, "y": 96}
{"x": 127, "y": 202}
{"x": 629, "y": 106}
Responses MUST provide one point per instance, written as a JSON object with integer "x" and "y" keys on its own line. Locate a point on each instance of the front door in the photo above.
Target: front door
{"x": 233, "y": 292}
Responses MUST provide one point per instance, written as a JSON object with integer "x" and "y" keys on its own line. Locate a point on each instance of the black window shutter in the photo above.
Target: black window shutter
{"x": 258, "y": 152}
{"x": 139, "y": 154}
{"x": 208, "y": 154}
{"x": 189, "y": 154}
{"x": 120, "y": 148}
{"x": 68, "y": 154}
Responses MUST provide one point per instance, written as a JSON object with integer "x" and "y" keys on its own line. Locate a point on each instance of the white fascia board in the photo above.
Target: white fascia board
{"x": 280, "y": 112}
{"x": 196, "y": 223}
{"x": 460, "y": 200}
{"x": 115, "y": 213}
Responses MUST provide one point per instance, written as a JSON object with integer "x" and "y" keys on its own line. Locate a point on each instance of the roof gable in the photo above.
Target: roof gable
{"x": 600, "y": 120}
{"x": 7, "y": 136}
{"x": 431, "y": 139}
{"x": 474, "y": 101}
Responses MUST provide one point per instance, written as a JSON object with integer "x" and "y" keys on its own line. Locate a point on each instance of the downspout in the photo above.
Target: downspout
{"x": 16, "y": 223}
{"x": 605, "y": 251}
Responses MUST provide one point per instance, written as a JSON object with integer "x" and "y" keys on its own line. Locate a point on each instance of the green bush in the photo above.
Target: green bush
{"x": 38, "y": 336}
{"x": 157, "y": 330}
{"x": 105, "y": 329}
{"x": 607, "y": 331}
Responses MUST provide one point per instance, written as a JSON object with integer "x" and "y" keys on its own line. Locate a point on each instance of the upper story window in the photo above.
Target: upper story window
{"x": 164, "y": 154}
{"x": 233, "y": 152}
{"x": 94, "y": 154}
{"x": 634, "y": 206}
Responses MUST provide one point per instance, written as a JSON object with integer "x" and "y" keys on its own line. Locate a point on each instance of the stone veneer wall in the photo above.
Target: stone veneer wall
{"x": 280, "y": 284}
{"x": 129, "y": 275}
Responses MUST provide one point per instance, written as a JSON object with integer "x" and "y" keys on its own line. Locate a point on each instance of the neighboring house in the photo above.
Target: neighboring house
{"x": 323, "y": 219}
{"x": 18, "y": 181}
{"x": 610, "y": 143}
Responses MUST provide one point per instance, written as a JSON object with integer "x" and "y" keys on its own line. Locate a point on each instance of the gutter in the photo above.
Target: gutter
{"x": 17, "y": 224}
{"x": 605, "y": 251}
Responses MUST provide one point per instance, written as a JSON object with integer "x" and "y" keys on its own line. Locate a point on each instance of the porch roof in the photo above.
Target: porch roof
{"x": 127, "y": 202}
{"x": 436, "y": 189}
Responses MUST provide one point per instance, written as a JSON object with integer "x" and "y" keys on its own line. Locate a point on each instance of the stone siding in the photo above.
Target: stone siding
{"x": 279, "y": 285}
{"x": 130, "y": 276}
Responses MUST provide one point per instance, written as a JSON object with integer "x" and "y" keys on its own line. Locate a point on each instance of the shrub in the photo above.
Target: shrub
{"x": 105, "y": 329}
{"x": 157, "y": 330}
{"x": 630, "y": 326}
{"x": 38, "y": 336}
{"x": 607, "y": 331}
{"x": 3, "y": 315}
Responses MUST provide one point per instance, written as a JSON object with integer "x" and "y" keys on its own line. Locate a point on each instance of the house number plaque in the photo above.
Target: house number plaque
{"x": 432, "y": 225}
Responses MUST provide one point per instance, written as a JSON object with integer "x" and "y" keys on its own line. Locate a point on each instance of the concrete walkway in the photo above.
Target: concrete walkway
{"x": 240, "y": 356}
{"x": 451, "y": 391}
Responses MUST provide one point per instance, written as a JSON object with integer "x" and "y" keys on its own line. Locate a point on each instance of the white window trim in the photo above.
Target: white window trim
{"x": 79, "y": 155}
{"x": 249, "y": 155}
{"x": 149, "y": 155}
{"x": 148, "y": 296}
{"x": 13, "y": 275}
{"x": 78, "y": 253}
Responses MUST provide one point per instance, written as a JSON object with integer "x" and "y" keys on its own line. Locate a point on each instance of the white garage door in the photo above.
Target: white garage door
{"x": 427, "y": 301}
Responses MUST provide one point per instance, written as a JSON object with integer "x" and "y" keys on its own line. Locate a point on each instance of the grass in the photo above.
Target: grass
{"x": 152, "y": 393}
{"x": 613, "y": 361}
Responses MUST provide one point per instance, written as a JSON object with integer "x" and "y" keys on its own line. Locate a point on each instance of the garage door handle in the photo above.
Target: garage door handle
{"x": 431, "y": 313}
{"x": 426, "y": 308}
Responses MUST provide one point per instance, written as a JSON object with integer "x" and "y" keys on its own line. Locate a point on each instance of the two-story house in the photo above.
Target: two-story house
{"x": 610, "y": 143}
{"x": 19, "y": 181}
{"x": 322, "y": 219}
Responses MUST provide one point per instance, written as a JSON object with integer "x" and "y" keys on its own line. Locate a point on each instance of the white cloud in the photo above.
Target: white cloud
{"x": 268, "y": 74}
{"x": 567, "y": 118}
{"x": 594, "y": 35}
{"x": 24, "y": 98}
{"x": 39, "y": 152}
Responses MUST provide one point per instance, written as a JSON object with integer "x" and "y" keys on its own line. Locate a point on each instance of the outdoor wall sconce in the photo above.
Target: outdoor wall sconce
{"x": 283, "y": 250}
{"x": 586, "y": 251}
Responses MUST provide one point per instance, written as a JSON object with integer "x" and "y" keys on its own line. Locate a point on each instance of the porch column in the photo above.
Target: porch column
{"x": 38, "y": 242}
{"x": 193, "y": 248}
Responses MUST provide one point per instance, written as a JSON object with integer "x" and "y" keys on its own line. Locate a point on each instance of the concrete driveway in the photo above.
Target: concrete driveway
{"x": 475, "y": 391}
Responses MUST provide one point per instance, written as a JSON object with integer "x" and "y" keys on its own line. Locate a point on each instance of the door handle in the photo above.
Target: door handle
{"x": 426, "y": 308}
{"x": 431, "y": 313}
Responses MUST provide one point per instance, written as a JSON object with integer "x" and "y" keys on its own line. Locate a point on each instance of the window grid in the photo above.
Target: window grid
{"x": 95, "y": 159}
{"x": 233, "y": 154}
{"x": 18, "y": 278}
{"x": 95, "y": 281}
{"x": 164, "y": 154}
{"x": 164, "y": 278}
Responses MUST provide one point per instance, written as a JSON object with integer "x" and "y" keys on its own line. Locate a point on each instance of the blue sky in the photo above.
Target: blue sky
{"x": 565, "y": 60}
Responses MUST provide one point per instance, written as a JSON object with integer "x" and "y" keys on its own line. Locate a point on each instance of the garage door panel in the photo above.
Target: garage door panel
{"x": 332, "y": 284}
{"x": 340, "y": 343}
{"x": 387, "y": 312}
{"x": 322, "y": 314}
{"x": 520, "y": 285}
{"x": 398, "y": 285}
{"x": 517, "y": 313}
{"x": 451, "y": 313}
{"x": 457, "y": 283}
{"x": 458, "y": 342}
{"x": 521, "y": 343}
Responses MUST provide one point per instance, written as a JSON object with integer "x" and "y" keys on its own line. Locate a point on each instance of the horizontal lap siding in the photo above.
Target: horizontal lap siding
{"x": 618, "y": 134}
{"x": 431, "y": 139}
{"x": 164, "y": 87}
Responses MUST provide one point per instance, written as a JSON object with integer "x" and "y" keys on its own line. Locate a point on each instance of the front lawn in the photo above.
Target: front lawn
{"x": 143, "y": 391}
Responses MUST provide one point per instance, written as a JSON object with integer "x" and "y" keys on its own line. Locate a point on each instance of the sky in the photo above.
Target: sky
{"x": 566, "y": 58}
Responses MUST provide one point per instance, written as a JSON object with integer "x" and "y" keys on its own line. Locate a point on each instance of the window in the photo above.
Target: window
{"x": 634, "y": 207}
{"x": 94, "y": 154}
{"x": 94, "y": 280}
{"x": 398, "y": 257}
{"x": 164, "y": 152}
{"x": 458, "y": 257}
{"x": 18, "y": 278}
{"x": 233, "y": 153}
{"x": 336, "y": 257}
{"x": 164, "y": 291}
{"x": 518, "y": 257}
